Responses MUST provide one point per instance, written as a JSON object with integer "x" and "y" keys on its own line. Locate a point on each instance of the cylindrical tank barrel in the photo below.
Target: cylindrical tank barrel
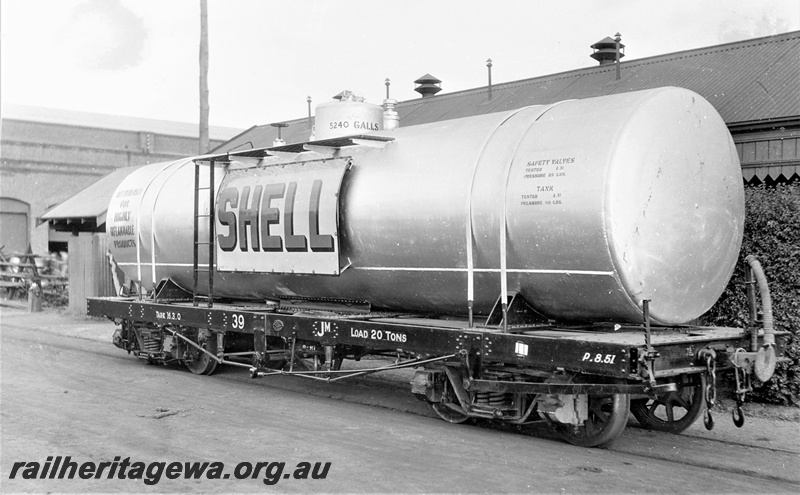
{"x": 584, "y": 207}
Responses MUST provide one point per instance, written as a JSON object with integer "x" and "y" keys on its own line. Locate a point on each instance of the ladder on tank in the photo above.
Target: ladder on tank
{"x": 210, "y": 241}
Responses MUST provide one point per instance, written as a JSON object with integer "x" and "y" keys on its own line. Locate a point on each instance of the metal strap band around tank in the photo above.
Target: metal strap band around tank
{"x": 153, "y": 222}
{"x": 469, "y": 229}
{"x": 139, "y": 224}
{"x": 503, "y": 257}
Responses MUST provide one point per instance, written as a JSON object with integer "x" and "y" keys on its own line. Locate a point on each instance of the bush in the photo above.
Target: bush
{"x": 772, "y": 234}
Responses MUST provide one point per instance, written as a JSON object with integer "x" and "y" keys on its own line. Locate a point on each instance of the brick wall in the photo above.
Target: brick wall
{"x": 44, "y": 164}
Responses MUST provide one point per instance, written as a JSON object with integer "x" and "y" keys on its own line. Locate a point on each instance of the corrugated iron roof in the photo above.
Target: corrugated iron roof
{"x": 746, "y": 81}
{"x": 105, "y": 121}
{"x": 92, "y": 202}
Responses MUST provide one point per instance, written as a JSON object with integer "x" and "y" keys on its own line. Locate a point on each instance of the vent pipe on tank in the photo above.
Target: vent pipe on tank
{"x": 278, "y": 140}
{"x": 391, "y": 120}
{"x": 310, "y": 124}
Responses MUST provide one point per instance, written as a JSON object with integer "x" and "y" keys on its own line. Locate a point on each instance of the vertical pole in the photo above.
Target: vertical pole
{"x": 35, "y": 286}
{"x": 489, "y": 67}
{"x": 308, "y": 100}
{"x": 211, "y": 226}
{"x": 195, "y": 234}
{"x": 204, "y": 109}
{"x": 617, "y": 39}
{"x": 646, "y": 315}
{"x": 387, "y": 82}
{"x": 651, "y": 354}
{"x": 752, "y": 305}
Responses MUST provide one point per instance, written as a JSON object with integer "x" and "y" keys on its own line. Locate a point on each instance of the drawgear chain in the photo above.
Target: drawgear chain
{"x": 710, "y": 391}
{"x": 743, "y": 385}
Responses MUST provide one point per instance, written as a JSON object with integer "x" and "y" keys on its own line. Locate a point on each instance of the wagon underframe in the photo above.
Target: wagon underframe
{"x": 480, "y": 371}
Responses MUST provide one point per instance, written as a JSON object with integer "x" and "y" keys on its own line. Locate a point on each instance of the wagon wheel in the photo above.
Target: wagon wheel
{"x": 196, "y": 361}
{"x": 452, "y": 413}
{"x": 608, "y": 415}
{"x": 672, "y": 412}
{"x": 448, "y": 414}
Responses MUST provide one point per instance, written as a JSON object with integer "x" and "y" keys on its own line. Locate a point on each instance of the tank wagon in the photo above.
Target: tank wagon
{"x": 541, "y": 264}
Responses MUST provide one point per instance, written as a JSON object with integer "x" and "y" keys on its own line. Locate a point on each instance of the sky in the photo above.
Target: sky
{"x": 139, "y": 58}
